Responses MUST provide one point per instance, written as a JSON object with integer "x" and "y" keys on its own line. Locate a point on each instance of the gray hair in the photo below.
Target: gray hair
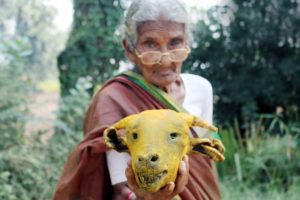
{"x": 150, "y": 10}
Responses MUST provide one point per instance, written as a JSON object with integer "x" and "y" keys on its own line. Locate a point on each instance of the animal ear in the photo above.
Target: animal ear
{"x": 114, "y": 141}
{"x": 213, "y": 149}
{"x": 196, "y": 121}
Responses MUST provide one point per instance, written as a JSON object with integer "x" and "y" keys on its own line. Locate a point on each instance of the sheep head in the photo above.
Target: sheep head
{"x": 157, "y": 141}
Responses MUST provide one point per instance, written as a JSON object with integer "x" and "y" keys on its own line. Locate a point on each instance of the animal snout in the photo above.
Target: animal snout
{"x": 152, "y": 158}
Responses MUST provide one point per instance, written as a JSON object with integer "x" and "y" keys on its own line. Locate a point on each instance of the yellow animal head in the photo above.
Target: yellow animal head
{"x": 157, "y": 141}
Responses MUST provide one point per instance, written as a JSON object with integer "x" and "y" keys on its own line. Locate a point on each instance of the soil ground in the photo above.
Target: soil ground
{"x": 43, "y": 113}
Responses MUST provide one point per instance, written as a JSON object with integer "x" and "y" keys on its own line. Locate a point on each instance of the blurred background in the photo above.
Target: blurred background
{"x": 55, "y": 53}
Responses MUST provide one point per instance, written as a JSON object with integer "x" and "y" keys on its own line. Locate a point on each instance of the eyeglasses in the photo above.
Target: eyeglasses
{"x": 154, "y": 57}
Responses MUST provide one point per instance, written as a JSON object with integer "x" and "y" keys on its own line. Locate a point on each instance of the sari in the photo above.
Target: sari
{"x": 85, "y": 175}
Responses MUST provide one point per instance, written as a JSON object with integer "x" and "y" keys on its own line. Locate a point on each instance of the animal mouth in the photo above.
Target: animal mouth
{"x": 151, "y": 178}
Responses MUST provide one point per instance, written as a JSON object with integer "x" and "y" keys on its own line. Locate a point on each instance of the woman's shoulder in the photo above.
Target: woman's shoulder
{"x": 111, "y": 89}
{"x": 195, "y": 81}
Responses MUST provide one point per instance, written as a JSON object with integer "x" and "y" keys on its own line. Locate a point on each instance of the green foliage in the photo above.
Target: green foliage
{"x": 257, "y": 51}
{"x": 264, "y": 164}
{"x": 67, "y": 135}
{"x": 15, "y": 86}
{"x": 30, "y": 168}
{"x": 73, "y": 107}
{"x": 233, "y": 190}
{"x": 32, "y": 21}
{"x": 272, "y": 160}
{"x": 92, "y": 49}
{"x": 22, "y": 175}
{"x": 279, "y": 124}
{"x": 249, "y": 50}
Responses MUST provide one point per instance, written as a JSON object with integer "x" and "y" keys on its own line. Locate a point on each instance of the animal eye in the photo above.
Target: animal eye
{"x": 134, "y": 136}
{"x": 173, "y": 135}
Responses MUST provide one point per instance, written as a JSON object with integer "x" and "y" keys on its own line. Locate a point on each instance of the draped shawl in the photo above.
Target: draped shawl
{"x": 85, "y": 175}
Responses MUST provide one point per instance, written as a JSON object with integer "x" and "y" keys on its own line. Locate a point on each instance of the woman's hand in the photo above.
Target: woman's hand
{"x": 165, "y": 193}
{"x": 122, "y": 192}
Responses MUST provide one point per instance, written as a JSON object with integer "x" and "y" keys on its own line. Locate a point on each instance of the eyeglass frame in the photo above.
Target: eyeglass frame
{"x": 188, "y": 50}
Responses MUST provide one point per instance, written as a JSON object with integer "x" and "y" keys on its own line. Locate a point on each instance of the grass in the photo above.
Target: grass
{"x": 264, "y": 165}
{"x": 236, "y": 190}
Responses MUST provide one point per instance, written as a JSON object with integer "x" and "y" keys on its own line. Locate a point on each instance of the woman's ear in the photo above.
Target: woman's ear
{"x": 129, "y": 53}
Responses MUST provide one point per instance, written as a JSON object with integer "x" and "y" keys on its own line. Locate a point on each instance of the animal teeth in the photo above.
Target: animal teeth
{"x": 150, "y": 179}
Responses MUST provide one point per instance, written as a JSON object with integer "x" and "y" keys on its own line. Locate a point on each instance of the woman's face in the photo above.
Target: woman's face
{"x": 160, "y": 36}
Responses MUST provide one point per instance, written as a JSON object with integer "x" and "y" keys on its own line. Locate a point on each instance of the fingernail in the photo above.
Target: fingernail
{"x": 171, "y": 186}
{"x": 186, "y": 158}
{"x": 182, "y": 165}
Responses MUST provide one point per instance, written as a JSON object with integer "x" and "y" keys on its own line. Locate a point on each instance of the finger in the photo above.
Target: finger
{"x": 129, "y": 172}
{"x": 183, "y": 174}
{"x": 131, "y": 178}
{"x": 132, "y": 196}
{"x": 183, "y": 166}
{"x": 168, "y": 189}
{"x": 127, "y": 193}
{"x": 187, "y": 163}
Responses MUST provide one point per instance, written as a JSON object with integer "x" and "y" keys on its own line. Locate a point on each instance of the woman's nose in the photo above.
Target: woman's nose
{"x": 165, "y": 59}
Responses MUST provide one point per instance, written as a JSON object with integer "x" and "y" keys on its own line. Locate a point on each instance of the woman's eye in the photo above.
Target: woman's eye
{"x": 150, "y": 44}
{"x": 173, "y": 135}
{"x": 135, "y": 136}
{"x": 176, "y": 43}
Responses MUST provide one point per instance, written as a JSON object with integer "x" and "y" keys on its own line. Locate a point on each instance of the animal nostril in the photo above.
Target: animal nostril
{"x": 154, "y": 158}
{"x": 140, "y": 159}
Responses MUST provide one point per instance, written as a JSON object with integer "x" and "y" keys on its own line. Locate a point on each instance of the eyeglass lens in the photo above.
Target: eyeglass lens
{"x": 176, "y": 55}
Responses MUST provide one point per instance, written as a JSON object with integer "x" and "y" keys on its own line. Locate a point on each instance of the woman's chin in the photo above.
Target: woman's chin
{"x": 164, "y": 83}
{"x": 166, "y": 79}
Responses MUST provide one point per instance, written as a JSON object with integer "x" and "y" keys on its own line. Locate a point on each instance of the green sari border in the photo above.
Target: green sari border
{"x": 154, "y": 91}
{"x": 159, "y": 95}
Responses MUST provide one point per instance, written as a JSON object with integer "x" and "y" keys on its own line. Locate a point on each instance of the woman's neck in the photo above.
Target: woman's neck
{"x": 176, "y": 90}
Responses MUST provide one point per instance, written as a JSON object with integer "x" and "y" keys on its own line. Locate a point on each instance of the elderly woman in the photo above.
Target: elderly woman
{"x": 156, "y": 41}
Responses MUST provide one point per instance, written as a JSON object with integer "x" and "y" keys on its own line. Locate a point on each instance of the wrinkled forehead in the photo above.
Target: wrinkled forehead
{"x": 160, "y": 26}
